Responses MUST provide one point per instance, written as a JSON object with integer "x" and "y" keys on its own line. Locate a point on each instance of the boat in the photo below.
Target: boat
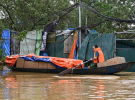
{"x": 107, "y": 70}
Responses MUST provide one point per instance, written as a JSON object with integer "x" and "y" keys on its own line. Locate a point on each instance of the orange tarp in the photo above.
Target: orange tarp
{"x": 71, "y": 55}
{"x": 62, "y": 62}
{"x": 10, "y": 60}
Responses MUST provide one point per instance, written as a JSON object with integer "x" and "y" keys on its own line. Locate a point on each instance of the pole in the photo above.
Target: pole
{"x": 115, "y": 44}
{"x": 80, "y": 26}
{"x": 86, "y": 26}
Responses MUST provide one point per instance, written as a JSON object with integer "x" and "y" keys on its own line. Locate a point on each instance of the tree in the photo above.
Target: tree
{"x": 25, "y": 14}
{"x": 29, "y": 15}
{"x": 121, "y": 9}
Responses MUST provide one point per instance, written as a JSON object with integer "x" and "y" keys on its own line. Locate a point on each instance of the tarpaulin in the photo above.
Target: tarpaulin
{"x": 35, "y": 59}
{"x": 6, "y": 44}
{"x": 51, "y": 36}
{"x": 10, "y": 60}
{"x": 43, "y": 45}
{"x": 15, "y": 43}
{"x": 69, "y": 41}
{"x": 71, "y": 55}
{"x": 85, "y": 44}
{"x": 51, "y": 26}
{"x": 58, "y": 62}
{"x": 27, "y": 46}
{"x": 48, "y": 28}
{"x": 43, "y": 53}
{"x": 83, "y": 50}
{"x": 38, "y": 41}
{"x": 104, "y": 41}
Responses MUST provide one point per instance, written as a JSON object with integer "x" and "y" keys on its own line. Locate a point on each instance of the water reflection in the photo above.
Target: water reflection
{"x": 98, "y": 90}
{"x": 69, "y": 89}
{"x": 11, "y": 82}
{"x": 38, "y": 86}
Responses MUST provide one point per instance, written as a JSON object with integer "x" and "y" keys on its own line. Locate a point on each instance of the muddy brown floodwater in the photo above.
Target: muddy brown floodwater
{"x": 38, "y": 86}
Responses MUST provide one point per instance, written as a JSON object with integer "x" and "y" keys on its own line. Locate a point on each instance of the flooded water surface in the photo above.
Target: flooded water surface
{"x": 38, "y": 86}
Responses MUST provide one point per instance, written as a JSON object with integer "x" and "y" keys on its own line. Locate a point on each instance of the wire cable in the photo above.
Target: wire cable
{"x": 110, "y": 18}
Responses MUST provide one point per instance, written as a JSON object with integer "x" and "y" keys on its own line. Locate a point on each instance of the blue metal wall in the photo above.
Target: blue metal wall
{"x": 6, "y": 44}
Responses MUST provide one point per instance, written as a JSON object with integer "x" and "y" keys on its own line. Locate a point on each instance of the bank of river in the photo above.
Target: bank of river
{"x": 38, "y": 86}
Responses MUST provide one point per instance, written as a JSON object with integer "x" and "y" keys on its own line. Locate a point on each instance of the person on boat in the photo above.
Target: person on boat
{"x": 98, "y": 56}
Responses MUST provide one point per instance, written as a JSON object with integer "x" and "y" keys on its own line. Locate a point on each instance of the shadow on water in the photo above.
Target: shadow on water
{"x": 125, "y": 74}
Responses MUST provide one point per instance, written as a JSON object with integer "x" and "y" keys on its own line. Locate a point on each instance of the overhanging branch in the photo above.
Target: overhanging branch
{"x": 8, "y": 13}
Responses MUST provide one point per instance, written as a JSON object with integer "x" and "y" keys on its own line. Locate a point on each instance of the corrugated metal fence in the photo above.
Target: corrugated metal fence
{"x": 59, "y": 50}
{"x": 129, "y": 55}
{"x": 104, "y": 41}
{"x": 126, "y": 49}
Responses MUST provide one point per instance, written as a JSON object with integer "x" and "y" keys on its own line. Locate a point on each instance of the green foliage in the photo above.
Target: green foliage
{"x": 2, "y": 56}
{"x": 26, "y": 14}
{"x": 1, "y": 27}
{"x": 21, "y": 35}
{"x": 111, "y": 8}
{"x": 33, "y": 14}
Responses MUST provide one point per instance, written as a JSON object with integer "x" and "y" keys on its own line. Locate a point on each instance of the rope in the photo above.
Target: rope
{"x": 91, "y": 40}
